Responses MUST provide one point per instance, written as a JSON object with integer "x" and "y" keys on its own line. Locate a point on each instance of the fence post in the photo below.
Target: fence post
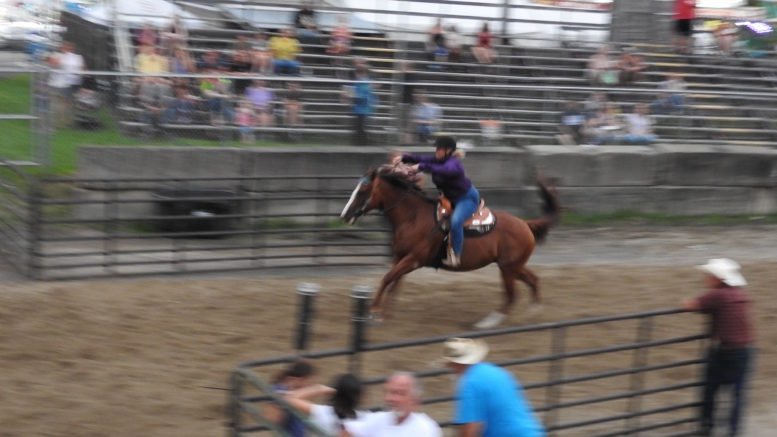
{"x": 637, "y": 379}
{"x": 307, "y": 292}
{"x": 34, "y": 230}
{"x": 361, "y": 295}
{"x": 556, "y": 372}
{"x": 234, "y": 409}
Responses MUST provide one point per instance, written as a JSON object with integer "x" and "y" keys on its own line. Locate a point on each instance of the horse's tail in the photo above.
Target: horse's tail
{"x": 551, "y": 211}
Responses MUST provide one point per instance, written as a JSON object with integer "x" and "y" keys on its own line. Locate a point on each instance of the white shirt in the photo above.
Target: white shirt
{"x": 71, "y": 64}
{"x": 325, "y": 418}
{"x": 384, "y": 424}
{"x": 638, "y": 124}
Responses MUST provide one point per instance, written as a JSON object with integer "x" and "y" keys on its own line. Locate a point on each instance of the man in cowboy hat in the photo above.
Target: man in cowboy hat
{"x": 489, "y": 401}
{"x": 728, "y": 359}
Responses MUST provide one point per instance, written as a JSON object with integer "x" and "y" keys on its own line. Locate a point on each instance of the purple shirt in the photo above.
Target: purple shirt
{"x": 447, "y": 175}
{"x": 259, "y": 97}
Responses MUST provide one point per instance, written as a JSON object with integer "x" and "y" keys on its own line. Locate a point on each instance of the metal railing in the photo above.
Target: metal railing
{"x": 671, "y": 412}
{"x": 120, "y": 227}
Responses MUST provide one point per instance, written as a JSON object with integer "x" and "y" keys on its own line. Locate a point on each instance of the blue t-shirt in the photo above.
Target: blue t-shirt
{"x": 490, "y": 395}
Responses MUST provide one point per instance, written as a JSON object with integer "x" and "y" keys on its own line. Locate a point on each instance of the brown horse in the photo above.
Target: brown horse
{"x": 417, "y": 238}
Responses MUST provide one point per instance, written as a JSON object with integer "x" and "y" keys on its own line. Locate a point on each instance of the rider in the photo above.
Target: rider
{"x": 448, "y": 175}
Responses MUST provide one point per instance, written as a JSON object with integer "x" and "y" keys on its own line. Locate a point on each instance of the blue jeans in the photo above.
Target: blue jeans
{"x": 725, "y": 367}
{"x": 462, "y": 211}
{"x": 286, "y": 66}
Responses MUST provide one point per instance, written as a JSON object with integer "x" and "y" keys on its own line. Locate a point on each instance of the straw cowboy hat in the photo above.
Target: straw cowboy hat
{"x": 726, "y": 270}
{"x": 464, "y": 351}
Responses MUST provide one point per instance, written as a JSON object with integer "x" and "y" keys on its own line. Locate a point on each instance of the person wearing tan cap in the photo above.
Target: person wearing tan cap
{"x": 489, "y": 400}
{"x": 730, "y": 355}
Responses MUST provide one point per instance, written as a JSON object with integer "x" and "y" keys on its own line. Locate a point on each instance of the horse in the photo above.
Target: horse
{"x": 418, "y": 238}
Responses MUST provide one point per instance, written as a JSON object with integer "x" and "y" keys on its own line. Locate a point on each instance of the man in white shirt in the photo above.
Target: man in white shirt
{"x": 639, "y": 126}
{"x": 403, "y": 396}
{"x": 65, "y": 82}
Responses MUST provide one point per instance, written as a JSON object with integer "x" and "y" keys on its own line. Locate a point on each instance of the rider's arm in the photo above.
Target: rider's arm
{"x": 410, "y": 158}
{"x": 450, "y": 167}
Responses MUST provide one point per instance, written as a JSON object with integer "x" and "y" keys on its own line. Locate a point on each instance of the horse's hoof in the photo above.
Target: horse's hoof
{"x": 376, "y": 319}
{"x": 492, "y": 320}
{"x": 534, "y": 309}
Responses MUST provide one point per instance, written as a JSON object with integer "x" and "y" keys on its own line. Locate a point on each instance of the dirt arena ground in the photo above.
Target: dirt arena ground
{"x": 147, "y": 356}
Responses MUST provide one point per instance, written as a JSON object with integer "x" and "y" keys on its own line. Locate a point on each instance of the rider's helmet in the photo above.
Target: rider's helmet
{"x": 445, "y": 142}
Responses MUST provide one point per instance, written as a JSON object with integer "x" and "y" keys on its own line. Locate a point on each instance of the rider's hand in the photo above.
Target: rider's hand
{"x": 395, "y": 157}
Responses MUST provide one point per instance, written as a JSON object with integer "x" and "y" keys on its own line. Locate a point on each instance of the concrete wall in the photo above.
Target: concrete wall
{"x": 677, "y": 180}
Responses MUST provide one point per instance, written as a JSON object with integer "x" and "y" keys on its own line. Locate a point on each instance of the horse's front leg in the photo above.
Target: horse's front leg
{"x": 390, "y": 280}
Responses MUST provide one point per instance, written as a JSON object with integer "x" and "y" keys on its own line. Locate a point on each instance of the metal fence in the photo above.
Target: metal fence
{"x": 639, "y": 378}
{"x": 58, "y": 228}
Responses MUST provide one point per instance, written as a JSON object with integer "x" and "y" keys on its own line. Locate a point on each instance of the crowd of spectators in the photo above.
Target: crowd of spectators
{"x": 598, "y": 121}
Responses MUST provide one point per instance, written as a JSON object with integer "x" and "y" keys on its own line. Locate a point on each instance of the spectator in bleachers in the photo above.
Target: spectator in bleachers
{"x": 241, "y": 65}
{"x": 149, "y": 61}
{"x": 725, "y": 37}
{"x": 284, "y": 49}
{"x": 455, "y": 42}
{"x": 154, "y": 96}
{"x": 436, "y": 40}
{"x": 181, "y": 108}
{"x": 292, "y": 105}
{"x": 175, "y": 35}
{"x": 427, "y": 117}
{"x": 671, "y": 97}
{"x": 406, "y": 90}
{"x": 483, "y": 51}
{"x": 684, "y": 14}
{"x": 305, "y": 22}
{"x": 601, "y": 68}
{"x": 630, "y": 67}
{"x": 211, "y": 60}
{"x": 262, "y": 99}
{"x": 340, "y": 38}
{"x": 181, "y": 62}
{"x": 261, "y": 58}
{"x": 245, "y": 118}
{"x": 572, "y": 122}
{"x": 339, "y": 42}
{"x": 147, "y": 36}
{"x": 66, "y": 82}
{"x": 217, "y": 93}
{"x": 596, "y": 102}
{"x": 639, "y": 126}
{"x": 604, "y": 127}
{"x": 363, "y": 100}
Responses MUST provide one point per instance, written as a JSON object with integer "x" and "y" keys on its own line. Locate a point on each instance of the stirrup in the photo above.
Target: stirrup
{"x": 452, "y": 260}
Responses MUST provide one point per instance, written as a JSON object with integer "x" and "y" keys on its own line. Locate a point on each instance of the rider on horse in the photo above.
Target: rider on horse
{"x": 448, "y": 175}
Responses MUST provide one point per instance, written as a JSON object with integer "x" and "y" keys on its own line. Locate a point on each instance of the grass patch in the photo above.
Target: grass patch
{"x": 643, "y": 218}
{"x": 17, "y": 141}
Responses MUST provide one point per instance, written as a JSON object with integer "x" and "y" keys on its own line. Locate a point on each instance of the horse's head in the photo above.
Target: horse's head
{"x": 361, "y": 201}
{"x": 377, "y": 188}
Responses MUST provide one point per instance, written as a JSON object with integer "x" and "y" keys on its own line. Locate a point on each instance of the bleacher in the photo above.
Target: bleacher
{"x": 730, "y": 101}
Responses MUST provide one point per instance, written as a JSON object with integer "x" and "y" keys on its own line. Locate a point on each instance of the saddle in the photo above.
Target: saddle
{"x": 480, "y": 223}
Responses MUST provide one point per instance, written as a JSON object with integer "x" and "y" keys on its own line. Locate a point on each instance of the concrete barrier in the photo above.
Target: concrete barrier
{"x": 676, "y": 180}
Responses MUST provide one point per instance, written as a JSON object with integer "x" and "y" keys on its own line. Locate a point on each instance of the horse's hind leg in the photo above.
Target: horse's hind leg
{"x": 494, "y": 318}
{"x": 532, "y": 281}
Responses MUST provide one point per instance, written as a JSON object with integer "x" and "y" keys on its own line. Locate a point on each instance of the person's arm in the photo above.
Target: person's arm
{"x": 411, "y": 158}
{"x": 470, "y": 430}
{"x": 451, "y": 167}
{"x": 703, "y": 304}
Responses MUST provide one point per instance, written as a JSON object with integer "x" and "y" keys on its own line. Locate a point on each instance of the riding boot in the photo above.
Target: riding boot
{"x": 452, "y": 260}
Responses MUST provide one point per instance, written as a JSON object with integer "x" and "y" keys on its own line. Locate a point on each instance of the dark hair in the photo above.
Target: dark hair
{"x": 297, "y": 369}
{"x": 348, "y": 393}
{"x": 445, "y": 142}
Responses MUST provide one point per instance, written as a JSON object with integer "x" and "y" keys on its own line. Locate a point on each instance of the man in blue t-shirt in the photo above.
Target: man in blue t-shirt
{"x": 489, "y": 401}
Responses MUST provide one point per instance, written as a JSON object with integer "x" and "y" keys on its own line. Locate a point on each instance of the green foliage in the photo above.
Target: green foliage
{"x": 643, "y": 218}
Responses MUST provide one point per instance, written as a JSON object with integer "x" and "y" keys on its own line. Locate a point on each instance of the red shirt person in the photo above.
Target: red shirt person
{"x": 684, "y": 14}
{"x": 729, "y": 358}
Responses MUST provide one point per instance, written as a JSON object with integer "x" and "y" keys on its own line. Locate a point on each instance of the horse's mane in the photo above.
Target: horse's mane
{"x": 402, "y": 179}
